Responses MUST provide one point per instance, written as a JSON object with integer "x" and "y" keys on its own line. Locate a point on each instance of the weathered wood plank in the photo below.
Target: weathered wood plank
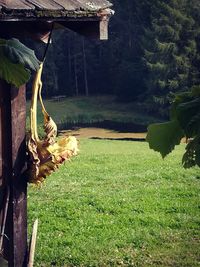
{"x": 14, "y": 158}
{"x": 95, "y": 4}
{"x": 67, "y": 5}
{"x": 45, "y": 4}
{"x": 6, "y": 151}
{"x": 19, "y": 183}
{"x": 2, "y": 182}
{"x": 16, "y": 4}
{"x": 38, "y": 30}
{"x": 103, "y": 29}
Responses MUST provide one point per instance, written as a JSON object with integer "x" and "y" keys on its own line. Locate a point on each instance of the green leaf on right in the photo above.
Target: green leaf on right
{"x": 163, "y": 137}
{"x": 192, "y": 154}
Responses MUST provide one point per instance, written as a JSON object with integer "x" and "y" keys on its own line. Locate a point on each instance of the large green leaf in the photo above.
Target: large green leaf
{"x": 15, "y": 61}
{"x": 12, "y": 73}
{"x": 19, "y": 53}
{"x": 163, "y": 137}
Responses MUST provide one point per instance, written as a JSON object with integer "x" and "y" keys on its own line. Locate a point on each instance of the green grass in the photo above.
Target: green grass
{"x": 118, "y": 204}
{"x": 93, "y": 109}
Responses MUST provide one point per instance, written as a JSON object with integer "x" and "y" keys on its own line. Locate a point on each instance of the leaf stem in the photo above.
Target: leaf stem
{"x": 37, "y": 84}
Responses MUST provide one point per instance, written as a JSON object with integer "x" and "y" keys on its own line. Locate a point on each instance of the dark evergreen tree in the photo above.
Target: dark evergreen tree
{"x": 169, "y": 51}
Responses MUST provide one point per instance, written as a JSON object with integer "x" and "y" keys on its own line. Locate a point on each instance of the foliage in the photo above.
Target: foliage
{"x": 170, "y": 49}
{"x": 163, "y": 137}
{"x": 118, "y": 204}
{"x": 153, "y": 50}
{"x": 16, "y": 60}
{"x": 185, "y": 121}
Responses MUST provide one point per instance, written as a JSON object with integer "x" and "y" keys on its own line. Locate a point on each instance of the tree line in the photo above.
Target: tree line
{"x": 153, "y": 51}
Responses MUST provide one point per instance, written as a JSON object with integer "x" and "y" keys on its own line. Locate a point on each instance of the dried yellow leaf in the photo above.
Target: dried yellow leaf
{"x": 48, "y": 154}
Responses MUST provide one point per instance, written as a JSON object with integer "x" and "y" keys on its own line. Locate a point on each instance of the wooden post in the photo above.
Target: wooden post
{"x": 103, "y": 28}
{"x": 13, "y": 164}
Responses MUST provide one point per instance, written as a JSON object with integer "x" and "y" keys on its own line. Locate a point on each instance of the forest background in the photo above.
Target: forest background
{"x": 153, "y": 51}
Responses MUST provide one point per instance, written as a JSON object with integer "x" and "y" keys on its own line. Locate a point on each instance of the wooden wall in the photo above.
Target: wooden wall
{"x": 12, "y": 166}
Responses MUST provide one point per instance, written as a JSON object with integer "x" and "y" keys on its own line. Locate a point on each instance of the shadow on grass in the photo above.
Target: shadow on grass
{"x": 121, "y": 127}
{"x": 119, "y": 139}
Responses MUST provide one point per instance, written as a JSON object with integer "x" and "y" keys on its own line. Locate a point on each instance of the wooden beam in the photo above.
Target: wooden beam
{"x": 13, "y": 119}
{"x": 103, "y": 29}
{"x": 96, "y": 28}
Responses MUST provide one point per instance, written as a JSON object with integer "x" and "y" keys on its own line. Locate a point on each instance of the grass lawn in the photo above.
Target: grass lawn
{"x": 118, "y": 204}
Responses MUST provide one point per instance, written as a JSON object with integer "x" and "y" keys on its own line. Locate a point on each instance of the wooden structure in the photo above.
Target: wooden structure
{"x": 34, "y": 18}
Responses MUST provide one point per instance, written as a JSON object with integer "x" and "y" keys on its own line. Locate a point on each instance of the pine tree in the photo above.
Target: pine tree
{"x": 169, "y": 50}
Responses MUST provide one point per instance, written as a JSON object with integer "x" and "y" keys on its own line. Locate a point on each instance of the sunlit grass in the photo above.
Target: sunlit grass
{"x": 118, "y": 204}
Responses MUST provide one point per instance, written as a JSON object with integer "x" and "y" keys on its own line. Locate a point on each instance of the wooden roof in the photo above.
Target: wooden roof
{"x": 58, "y": 9}
{"x": 35, "y": 17}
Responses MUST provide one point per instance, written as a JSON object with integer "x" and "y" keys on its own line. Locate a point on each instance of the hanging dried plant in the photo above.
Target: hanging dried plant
{"x": 46, "y": 154}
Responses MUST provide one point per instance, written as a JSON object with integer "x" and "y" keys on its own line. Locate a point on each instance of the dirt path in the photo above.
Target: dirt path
{"x": 102, "y": 133}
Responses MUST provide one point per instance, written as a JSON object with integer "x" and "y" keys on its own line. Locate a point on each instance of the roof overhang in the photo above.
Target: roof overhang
{"x": 35, "y": 17}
